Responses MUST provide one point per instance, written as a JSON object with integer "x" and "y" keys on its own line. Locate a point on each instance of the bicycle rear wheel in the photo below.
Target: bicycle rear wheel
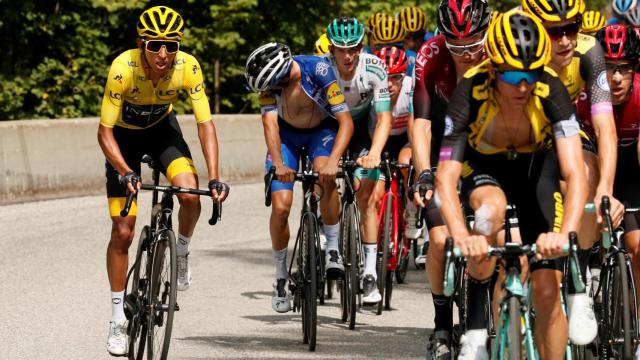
{"x": 310, "y": 282}
{"x": 403, "y": 256}
{"x": 383, "y": 251}
{"x": 163, "y": 296}
{"x": 514, "y": 334}
{"x": 618, "y": 309}
{"x": 137, "y": 329}
{"x": 350, "y": 284}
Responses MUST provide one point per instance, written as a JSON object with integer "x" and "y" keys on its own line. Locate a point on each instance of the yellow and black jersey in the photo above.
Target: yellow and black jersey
{"x": 131, "y": 101}
{"x": 473, "y": 107}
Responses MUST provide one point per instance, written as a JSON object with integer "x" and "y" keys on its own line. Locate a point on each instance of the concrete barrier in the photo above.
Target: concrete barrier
{"x": 42, "y": 159}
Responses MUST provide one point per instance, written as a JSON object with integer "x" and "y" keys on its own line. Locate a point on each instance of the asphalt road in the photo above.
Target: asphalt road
{"x": 55, "y": 297}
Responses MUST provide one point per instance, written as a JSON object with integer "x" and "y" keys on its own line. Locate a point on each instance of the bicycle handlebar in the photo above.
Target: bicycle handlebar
{"x": 299, "y": 176}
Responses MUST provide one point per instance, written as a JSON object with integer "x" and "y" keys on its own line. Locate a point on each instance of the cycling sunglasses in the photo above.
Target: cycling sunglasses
{"x": 396, "y": 77}
{"x": 155, "y": 46}
{"x": 569, "y": 31}
{"x": 514, "y": 77}
{"x": 623, "y": 68}
{"x": 471, "y": 49}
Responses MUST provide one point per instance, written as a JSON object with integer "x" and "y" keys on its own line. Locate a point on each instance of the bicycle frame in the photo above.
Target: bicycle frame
{"x": 393, "y": 194}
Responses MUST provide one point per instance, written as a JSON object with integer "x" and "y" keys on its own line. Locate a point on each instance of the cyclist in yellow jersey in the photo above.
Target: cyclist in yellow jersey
{"x": 137, "y": 118}
{"x": 579, "y": 62}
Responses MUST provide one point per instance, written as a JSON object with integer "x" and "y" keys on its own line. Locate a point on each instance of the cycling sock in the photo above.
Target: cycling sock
{"x": 182, "y": 245}
{"x": 331, "y": 232}
{"x": 583, "y": 262}
{"x": 370, "y": 257}
{"x": 117, "y": 306}
{"x": 478, "y": 303}
{"x": 280, "y": 258}
{"x": 443, "y": 312}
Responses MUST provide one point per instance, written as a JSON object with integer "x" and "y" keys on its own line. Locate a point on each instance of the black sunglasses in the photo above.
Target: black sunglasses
{"x": 569, "y": 30}
{"x": 623, "y": 68}
{"x": 155, "y": 46}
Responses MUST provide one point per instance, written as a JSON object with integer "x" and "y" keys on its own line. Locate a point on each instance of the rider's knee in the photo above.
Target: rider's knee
{"x": 189, "y": 201}
{"x": 280, "y": 211}
{"x": 121, "y": 235}
{"x": 489, "y": 217}
{"x": 546, "y": 294}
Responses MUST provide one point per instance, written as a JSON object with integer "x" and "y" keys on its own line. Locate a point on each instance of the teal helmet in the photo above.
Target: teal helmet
{"x": 345, "y": 32}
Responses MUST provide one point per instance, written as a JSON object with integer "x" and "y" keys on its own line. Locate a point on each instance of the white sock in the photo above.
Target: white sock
{"x": 117, "y": 306}
{"x": 370, "y": 256}
{"x": 280, "y": 259}
{"x": 182, "y": 245}
{"x": 332, "y": 232}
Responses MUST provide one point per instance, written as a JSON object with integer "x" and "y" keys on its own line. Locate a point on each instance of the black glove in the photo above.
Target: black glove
{"x": 219, "y": 186}
{"x": 130, "y": 177}
{"x": 424, "y": 182}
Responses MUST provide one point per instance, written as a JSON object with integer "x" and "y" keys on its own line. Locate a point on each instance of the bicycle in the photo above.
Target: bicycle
{"x": 514, "y": 310}
{"x": 152, "y": 301}
{"x": 308, "y": 280}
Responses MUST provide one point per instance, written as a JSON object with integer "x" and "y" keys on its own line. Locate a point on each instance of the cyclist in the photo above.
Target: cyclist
{"x": 592, "y": 21}
{"x": 621, "y": 56}
{"x": 389, "y": 31}
{"x": 633, "y": 18}
{"x": 498, "y": 123}
{"x": 414, "y": 23}
{"x": 441, "y": 63}
{"x": 579, "y": 62}
{"x": 621, "y": 7}
{"x": 292, "y": 119}
{"x": 363, "y": 80}
{"x": 137, "y": 118}
{"x": 322, "y": 45}
{"x": 370, "y": 48}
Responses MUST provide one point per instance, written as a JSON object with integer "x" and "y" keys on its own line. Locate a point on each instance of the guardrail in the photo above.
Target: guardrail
{"x": 42, "y": 159}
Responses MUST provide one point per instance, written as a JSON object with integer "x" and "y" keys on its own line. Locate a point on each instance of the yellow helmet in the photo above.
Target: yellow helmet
{"x": 373, "y": 19}
{"x": 388, "y": 30}
{"x": 413, "y": 19}
{"x": 553, "y": 10}
{"x": 322, "y": 45}
{"x": 518, "y": 39}
{"x": 592, "y": 21}
{"x": 160, "y": 22}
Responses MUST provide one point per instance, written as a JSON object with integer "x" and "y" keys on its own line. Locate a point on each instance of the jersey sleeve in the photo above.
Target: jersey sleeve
{"x": 268, "y": 102}
{"x": 194, "y": 84}
{"x": 456, "y": 122}
{"x": 593, "y": 70}
{"x": 117, "y": 81}
{"x": 558, "y": 107}
{"x": 377, "y": 76}
{"x": 324, "y": 77}
{"x": 421, "y": 97}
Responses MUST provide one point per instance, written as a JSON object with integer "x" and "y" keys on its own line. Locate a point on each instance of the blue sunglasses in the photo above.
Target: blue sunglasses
{"x": 514, "y": 77}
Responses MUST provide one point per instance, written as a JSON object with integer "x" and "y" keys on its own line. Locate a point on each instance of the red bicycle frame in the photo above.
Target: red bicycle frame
{"x": 397, "y": 222}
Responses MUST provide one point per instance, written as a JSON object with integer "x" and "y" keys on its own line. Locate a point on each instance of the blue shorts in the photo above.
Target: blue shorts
{"x": 318, "y": 142}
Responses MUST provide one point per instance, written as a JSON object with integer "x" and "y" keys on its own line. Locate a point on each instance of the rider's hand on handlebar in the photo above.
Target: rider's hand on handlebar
{"x": 129, "y": 179}
{"x": 616, "y": 209}
{"x": 219, "y": 190}
{"x": 549, "y": 245}
{"x": 424, "y": 185}
{"x": 285, "y": 174}
{"x": 369, "y": 161}
{"x": 473, "y": 247}
{"x": 328, "y": 171}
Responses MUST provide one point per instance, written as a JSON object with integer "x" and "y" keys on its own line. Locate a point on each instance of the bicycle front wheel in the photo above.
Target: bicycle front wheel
{"x": 618, "y": 309}
{"x": 162, "y": 299}
{"x": 383, "y": 251}
{"x": 350, "y": 284}
{"x": 310, "y": 302}
{"x": 137, "y": 330}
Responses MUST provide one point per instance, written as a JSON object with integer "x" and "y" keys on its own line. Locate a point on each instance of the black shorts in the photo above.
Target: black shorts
{"x": 627, "y": 184}
{"x": 531, "y": 182}
{"x": 360, "y": 141}
{"x": 163, "y": 142}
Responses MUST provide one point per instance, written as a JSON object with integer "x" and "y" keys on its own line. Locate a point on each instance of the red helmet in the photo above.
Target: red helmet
{"x": 619, "y": 42}
{"x": 463, "y": 18}
{"x": 394, "y": 59}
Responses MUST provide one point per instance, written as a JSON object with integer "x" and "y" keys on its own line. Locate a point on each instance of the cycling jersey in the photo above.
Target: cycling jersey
{"x": 132, "y": 101}
{"x": 368, "y": 87}
{"x": 587, "y": 71}
{"x": 473, "y": 107}
{"x": 401, "y": 111}
{"x": 317, "y": 81}
{"x": 625, "y": 114}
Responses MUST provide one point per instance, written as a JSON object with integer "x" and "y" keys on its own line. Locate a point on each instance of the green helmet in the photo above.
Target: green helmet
{"x": 345, "y": 32}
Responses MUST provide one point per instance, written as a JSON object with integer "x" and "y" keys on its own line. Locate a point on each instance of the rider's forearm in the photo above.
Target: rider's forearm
{"x": 605, "y": 129}
{"x": 572, "y": 167}
{"x": 421, "y": 144}
{"x": 447, "y": 188}
{"x": 381, "y": 133}
{"x": 345, "y": 132}
{"x": 272, "y": 138}
{"x": 111, "y": 150}
{"x": 209, "y": 143}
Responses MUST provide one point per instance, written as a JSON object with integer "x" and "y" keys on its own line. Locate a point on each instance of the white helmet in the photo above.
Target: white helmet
{"x": 622, "y": 6}
{"x": 633, "y": 16}
{"x": 267, "y": 65}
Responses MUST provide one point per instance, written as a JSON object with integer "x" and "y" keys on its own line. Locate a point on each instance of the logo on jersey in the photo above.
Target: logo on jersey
{"x": 602, "y": 82}
{"x": 377, "y": 71}
{"x": 326, "y": 140}
{"x": 448, "y": 126}
{"x": 334, "y": 94}
{"x": 322, "y": 68}
{"x": 195, "y": 69}
{"x": 118, "y": 78}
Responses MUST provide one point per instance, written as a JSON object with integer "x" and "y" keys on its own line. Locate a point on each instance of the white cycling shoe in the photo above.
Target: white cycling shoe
{"x": 184, "y": 273}
{"x": 281, "y": 299}
{"x": 117, "y": 342}
{"x": 583, "y": 327}
{"x": 474, "y": 345}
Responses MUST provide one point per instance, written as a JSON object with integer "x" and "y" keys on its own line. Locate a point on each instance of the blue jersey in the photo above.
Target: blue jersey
{"x": 318, "y": 82}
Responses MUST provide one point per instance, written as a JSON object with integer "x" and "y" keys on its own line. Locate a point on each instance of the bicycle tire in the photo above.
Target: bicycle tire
{"x": 403, "y": 262}
{"x": 618, "y": 311}
{"x": 163, "y": 294}
{"x": 138, "y": 328}
{"x": 388, "y": 290}
{"x": 329, "y": 290}
{"x": 383, "y": 251}
{"x": 322, "y": 290}
{"x": 514, "y": 334}
{"x": 310, "y": 303}
{"x": 350, "y": 285}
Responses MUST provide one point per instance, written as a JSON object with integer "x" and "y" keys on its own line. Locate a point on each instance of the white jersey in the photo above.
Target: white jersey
{"x": 368, "y": 86}
{"x": 401, "y": 111}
